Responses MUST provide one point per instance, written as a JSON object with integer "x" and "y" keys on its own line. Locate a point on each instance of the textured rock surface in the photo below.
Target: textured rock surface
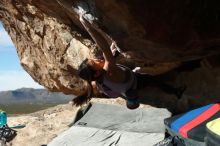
{"x": 157, "y": 35}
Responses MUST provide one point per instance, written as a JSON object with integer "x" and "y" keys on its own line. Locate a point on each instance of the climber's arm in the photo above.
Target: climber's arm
{"x": 100, "y": 40}
{"x": 113, "y": 45}
{"x": 104, "y": 35}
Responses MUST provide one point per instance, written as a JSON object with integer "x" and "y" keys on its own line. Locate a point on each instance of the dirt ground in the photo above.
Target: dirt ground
{"x": 43, "y": 126}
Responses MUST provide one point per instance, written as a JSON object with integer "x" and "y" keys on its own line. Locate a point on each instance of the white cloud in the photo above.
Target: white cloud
{"x": 11, "y": 80}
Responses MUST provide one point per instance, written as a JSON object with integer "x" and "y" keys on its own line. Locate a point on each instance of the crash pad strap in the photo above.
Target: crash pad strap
{"x": 189, "y": 116}
{"x": 198, "y": 120}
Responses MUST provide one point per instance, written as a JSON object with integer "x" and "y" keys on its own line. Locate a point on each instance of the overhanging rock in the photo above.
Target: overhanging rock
{"x": 156, "y": 35}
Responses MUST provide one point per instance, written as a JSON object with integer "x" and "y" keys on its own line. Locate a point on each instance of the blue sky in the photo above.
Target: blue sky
{"x": 12, "y": 75}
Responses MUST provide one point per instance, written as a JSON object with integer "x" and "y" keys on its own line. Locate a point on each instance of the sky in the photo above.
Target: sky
{"x": 12, "y": 75}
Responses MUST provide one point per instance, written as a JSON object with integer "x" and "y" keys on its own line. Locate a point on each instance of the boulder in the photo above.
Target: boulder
{"x": 154, "y": 35}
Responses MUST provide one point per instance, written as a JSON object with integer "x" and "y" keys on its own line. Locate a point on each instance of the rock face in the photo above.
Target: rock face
{"x": 155, "y": 35}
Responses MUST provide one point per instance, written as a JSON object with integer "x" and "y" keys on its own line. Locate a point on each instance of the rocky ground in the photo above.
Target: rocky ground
{"x": 43, "y": 126}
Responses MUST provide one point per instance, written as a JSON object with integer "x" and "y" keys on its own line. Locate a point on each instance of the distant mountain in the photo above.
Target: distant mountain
{"x": 33, "y": 96}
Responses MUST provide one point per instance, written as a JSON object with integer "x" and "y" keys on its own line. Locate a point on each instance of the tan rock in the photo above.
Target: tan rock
{"x": 157, "y": 37}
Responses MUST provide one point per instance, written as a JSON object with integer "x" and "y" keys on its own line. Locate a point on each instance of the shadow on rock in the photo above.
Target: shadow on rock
{"x": 202, "y": 84}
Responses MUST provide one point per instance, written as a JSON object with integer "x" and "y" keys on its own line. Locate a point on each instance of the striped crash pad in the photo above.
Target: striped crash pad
{"x": 192, "y": 125}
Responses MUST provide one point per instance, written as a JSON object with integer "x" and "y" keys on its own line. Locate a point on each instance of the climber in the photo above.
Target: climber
{"x": 113, "y": 79}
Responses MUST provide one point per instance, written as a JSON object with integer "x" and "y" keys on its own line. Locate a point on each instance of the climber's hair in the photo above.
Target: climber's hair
{"x": 85, "y": 71}
{"x": 84, "y": 98}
